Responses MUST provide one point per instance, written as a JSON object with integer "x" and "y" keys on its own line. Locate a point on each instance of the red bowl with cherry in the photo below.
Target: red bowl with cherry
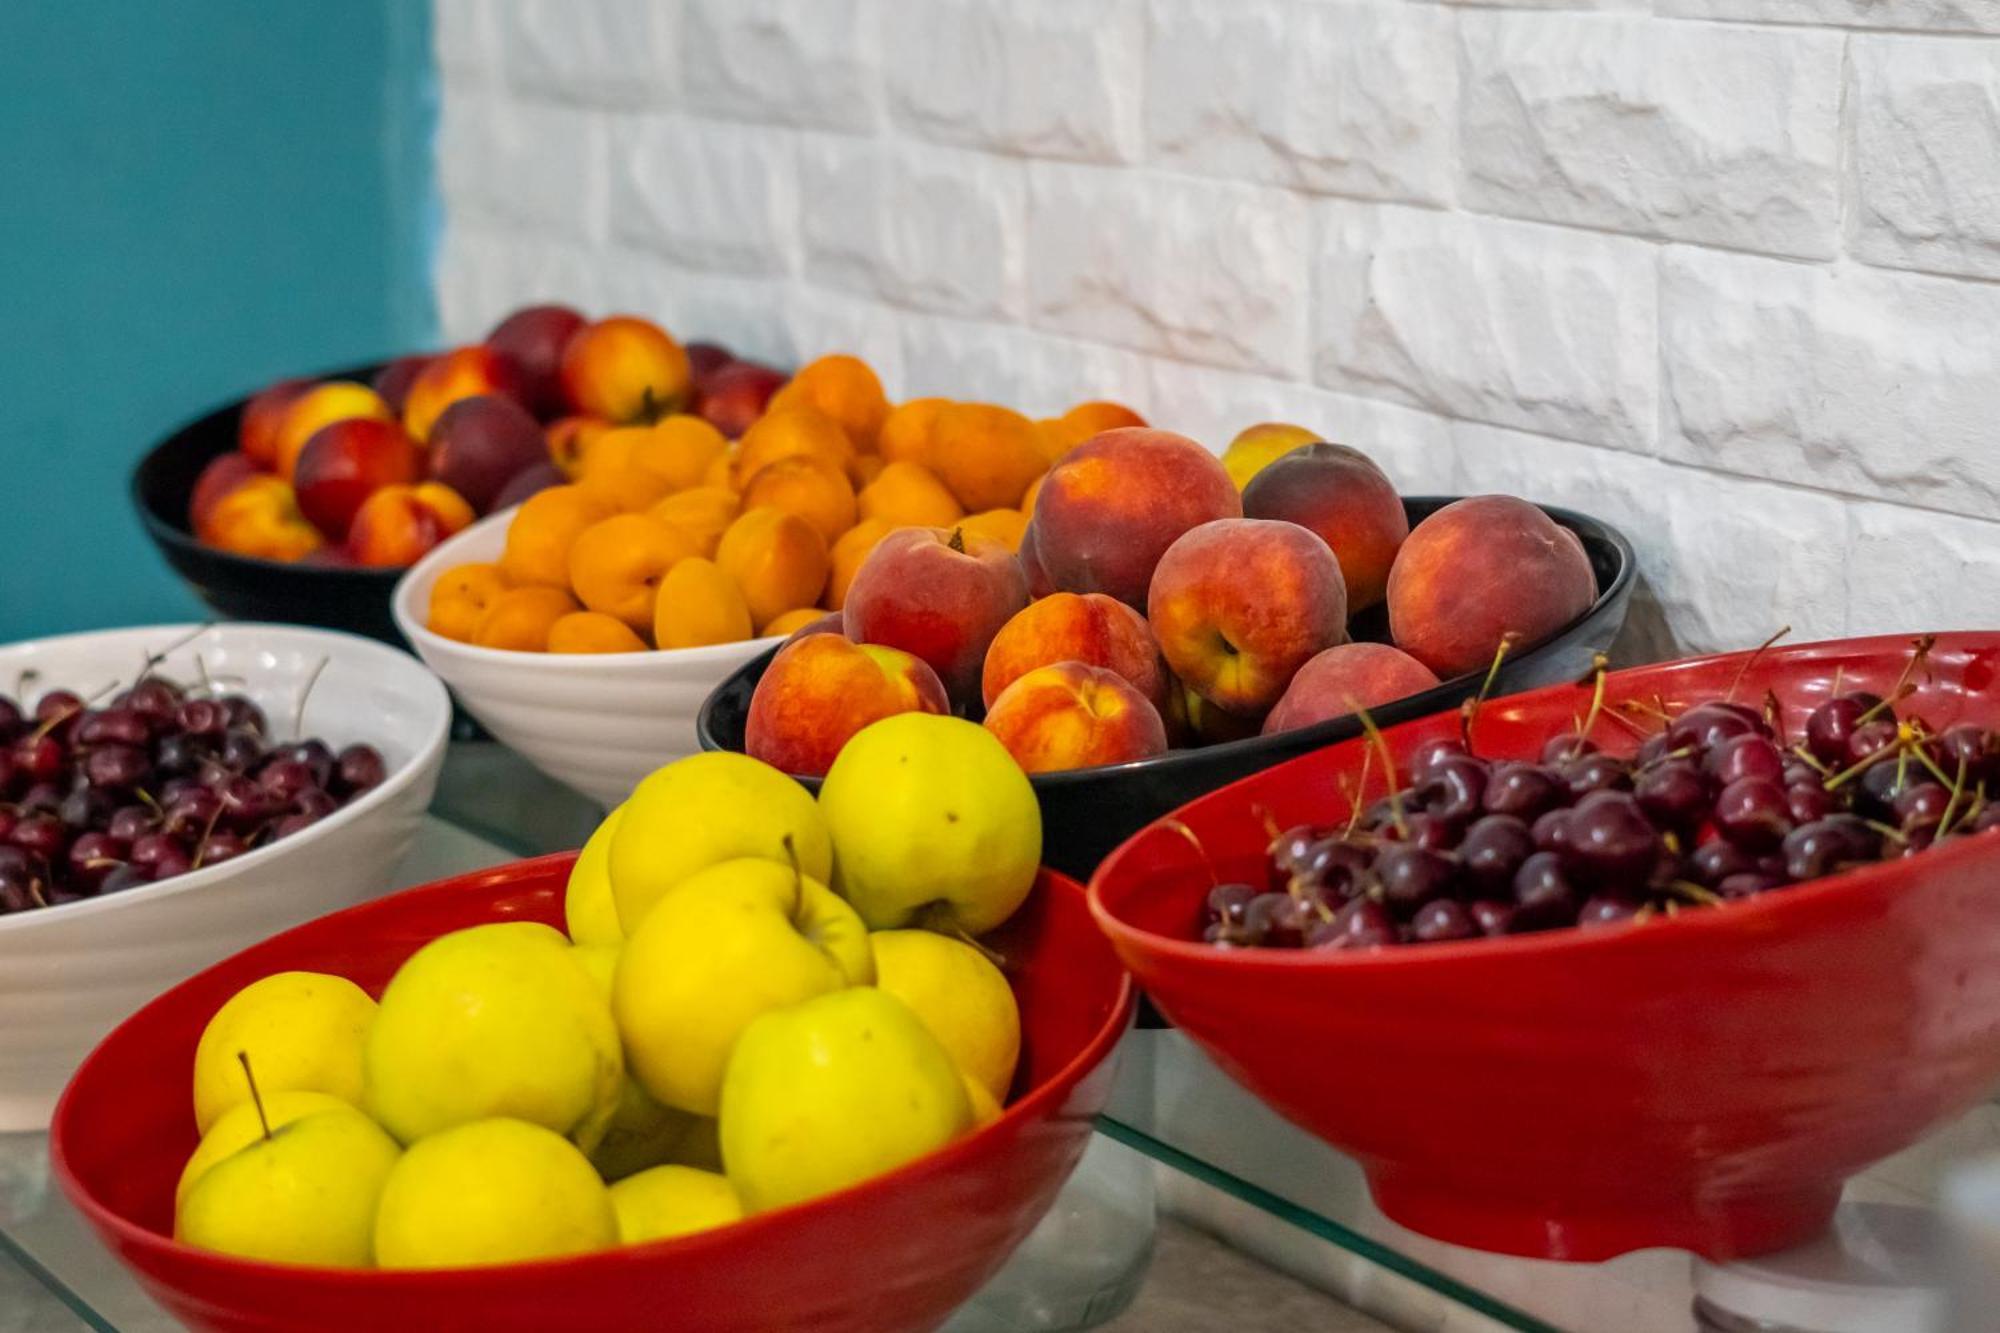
{"x": 1659, "y": 958}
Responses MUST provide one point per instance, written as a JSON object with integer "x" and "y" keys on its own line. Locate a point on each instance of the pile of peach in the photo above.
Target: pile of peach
{"x": 669, "y": 535}
{"x": 341, "y": 473}
{"x": 1153, "y": 603}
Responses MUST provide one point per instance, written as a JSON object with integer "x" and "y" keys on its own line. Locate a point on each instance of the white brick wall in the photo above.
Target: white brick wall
{"x": 1725, "y": 272}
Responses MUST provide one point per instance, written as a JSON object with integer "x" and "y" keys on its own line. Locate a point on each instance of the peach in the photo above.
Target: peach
{"x": 844, "y": 388}
{"x": 616, "y": 565}
{"x": 909, "y": 495}
{"x": 1192, "y": 720}
{"x": 821, "y": 689}
{"x": 1339, "y": 493}
{"x": 461, "y": 597}
{"x": 1256, "y": 447}
{"x": 625, "y": 369}
{"x": 221, "y": 475}
{"x": 778, "y": 560}
{"x": 1069, "y": 715}
{"x": 533, "y": 338}
{"x": 906, "y": 432}
{"x": 1031, "y": 564}
{"x": 257, "y": 428}
{"x": 849, "y": 551}
{"x": 814, "y": 489}
{"x": 734, "y": 397}
{"x": 703, "y": 513}
{"x": 1062, "y": 434}
{"x": 463, "y": 372}
{"x": 479, "y": 444}
{"x": 788, "y": 431}
{"x": 321, "y": 405}
{"x": 1090, "y": 628}
{"x": 346, "y": 462}
{"x": 398, "y": 525}
{"x": 521, "y": 619}
{"x": 985, "y": 455}
{"x": 260, "y": 517}
{"x": 1347, "y": 678}
{"x": 699, "y": 605}
{"x": 570, "y": 438}
{"x": 939, "y": 594}
{"x": 540, "y": 535}
{"x": 1480, "y": 571}
{"x": 593, "y": 632}
{"x": 1005, "y": 526}
{"x": 1240, "y": 604}
{"x": 1116, "y": 502}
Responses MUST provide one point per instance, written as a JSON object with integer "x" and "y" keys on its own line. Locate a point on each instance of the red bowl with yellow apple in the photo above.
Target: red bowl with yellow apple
{"x": 897, "y": 1252}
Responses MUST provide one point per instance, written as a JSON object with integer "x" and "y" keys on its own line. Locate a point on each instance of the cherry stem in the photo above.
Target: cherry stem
{"x": 299, "y": 712}
{"x": 1468, "y": 713}
{"x": 1597, "y": 665}
{"x": 1376, "y": 739}
{"x": 1751, "y": 661}
{"x": 1194, "y": 840}
{"x": 256, "y": 1098}
{"x": 1354, "y": 797}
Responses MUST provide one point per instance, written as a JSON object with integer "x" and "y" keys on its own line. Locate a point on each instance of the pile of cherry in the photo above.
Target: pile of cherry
{"x": 158, "y": 782}
{"x": 1718, "y": 805}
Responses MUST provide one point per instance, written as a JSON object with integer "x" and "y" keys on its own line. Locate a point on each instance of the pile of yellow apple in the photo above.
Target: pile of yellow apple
{"x": 762, "y": 998}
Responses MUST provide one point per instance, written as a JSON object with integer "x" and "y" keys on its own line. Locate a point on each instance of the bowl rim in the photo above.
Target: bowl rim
{"x": 451, "y": 551}
{"x": 1774, "y": 909}
{"x": 1057, "y": 780}
{"x": 1014, "y": 1116}
{"x": 431, "y": 748}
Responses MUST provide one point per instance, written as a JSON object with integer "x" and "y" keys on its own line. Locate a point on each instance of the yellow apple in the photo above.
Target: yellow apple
{"x": 306, "y": 1194}
{"x": 241, "y": 1126}
{"x": 735, "y": 941}
{"x": 673, "y": 1201}
{"x": 301, "y": 1030}
{"x": 703, "y": 810}
{"x": 491, "y": 1192}
{"x": 933, "y": 824}
{"x": 589, "y": 911}
{"x": 832, "y": 1092}
{"x": 960, "y": 995}
{"x": 494, "y": 1020}
{"x": 985, "y": 1106}
{"x": 642, "y": 1132}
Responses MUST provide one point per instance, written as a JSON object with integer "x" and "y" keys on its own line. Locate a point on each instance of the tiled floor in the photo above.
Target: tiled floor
{"x": 1199, "y": 1285}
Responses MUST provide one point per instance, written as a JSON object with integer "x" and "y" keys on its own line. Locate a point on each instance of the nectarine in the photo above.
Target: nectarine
{"x": 1069, "y": 715}
{"x": 821, "y": 689}
{"x": 1089, "y": 628}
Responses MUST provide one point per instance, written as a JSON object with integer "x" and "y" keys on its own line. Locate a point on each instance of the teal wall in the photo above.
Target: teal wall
{"x": 195, "y": 198}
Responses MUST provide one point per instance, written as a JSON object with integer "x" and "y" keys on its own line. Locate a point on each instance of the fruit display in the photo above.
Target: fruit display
{"x": 1158, "y": 597}
{"x": 1717, "y": 803}
{"x": 341, "y": 473}
{"x": 762, "y": 998}
{"x": 748, "y": 512}
{"x": 156, "y": 780}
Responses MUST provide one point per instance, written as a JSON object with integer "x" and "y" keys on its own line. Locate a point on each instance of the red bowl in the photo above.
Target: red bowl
{"x": 898, "y": 1252}
{"x": 1706, "y": 1081}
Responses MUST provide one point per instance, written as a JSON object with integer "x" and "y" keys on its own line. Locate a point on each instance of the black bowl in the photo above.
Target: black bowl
{"x": 1088, "y": 811}
{"x": 243, "y": 587}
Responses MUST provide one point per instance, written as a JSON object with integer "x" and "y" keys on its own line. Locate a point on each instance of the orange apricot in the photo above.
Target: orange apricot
{"x": 1002, "y": 525}
{"x": 461, "y": 597}
{"x": 906, "y": 435}
{"x": 539, "y": 538}
{"x": 907, "y": 495}
{"x": 570, "y": 439}
{"x": 792, "y": 621}
{"x": 778, "y": 560}
{"x": 703, "y": 513}
{"x": 614, "y": 476}
{"x": 520, "y": 618}
{"x": 814, "y": 489}
{"x": 1062, "y": 434}
{"x": 680, "y": 449}
{"x": 699, "y": 605}
{"x": 791, "y": 431}
{"x": 844, "y": 388}
{"x": 593, "y": 632}
{"x": 848, "y": 553}
{"x": 986, "y": 454}
{"x": 616, "y": 564}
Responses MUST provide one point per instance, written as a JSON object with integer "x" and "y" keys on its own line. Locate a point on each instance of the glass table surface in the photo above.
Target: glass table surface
{"x": 1220, "y": 1159}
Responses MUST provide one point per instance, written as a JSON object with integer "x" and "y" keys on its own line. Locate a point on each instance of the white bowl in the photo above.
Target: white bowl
{"x": 597, "y": 722}
{"x": 69, "y": 974}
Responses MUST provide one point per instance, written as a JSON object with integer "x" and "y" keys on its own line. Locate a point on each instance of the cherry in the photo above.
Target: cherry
{"x": 1673, "y": 793}
{"x": 243, "y": 714}
{"x": 221, "y": 846}
{"x": 245, "y": 804}
{"x": 56, "y": 712}
{"x": 1361, "y": 924}
{"x": 92, "y": 857}
{"x": 1749, "y": 885}
{"x": 40, "y": 835}
{"x": 1596, "y": 772}
{"x": 129, "y": 821}
{"x": 1986, "y": 820}
{"x": 1428, "y": 753}
{"x": 1442, "y": 919}
{"x": 1807, "y": 801}
{"x": 9, "y": 773}
{"x": 189, "y": 814}
{"x": 1493, "y": 849}
{"x": 1829, "y": 726}
{"x": 1611, "y": 839}
{"x": 1652, "y": 750}
{"x": 1275, "y": 919}
{"x": 12, "y": 721}
{"x": 127, "y": 876}
{"x": 85, "y": 808}
{"x": 1826, "y": 845}
{"x": 1920, "y": 805}
{"x": 39, "y": 758}
{"x": 1745, "y": 756}
{"x": 315, "y": 755}
{"x": 1226, "y": 903}
{"x": 1753, "y": 814}
{"x": 160, "y": 856}
{"x": 1551, "y": 831}
{"x": 1566, "y": 748}
{"x": 1543, "y": 894}
{"x": 1492, "y": 916}
{"x": 1974, "y": 750}
{"x": 44, "y": 798}
{"x": 117, "y": 767}
{"x": 1602, "y": 911}
{"x": 241, "y": 751}
{"x": 1454, "y": 788}
{"x": 152, "y": 699}
{"x": 1709, "y": 724}
{"x": 1411, "y": 876}
{"x": 1870, "y": 739}
{"x": 358, "y": 768}
{"x": 114, "y": 726}
{"x": 294, "y": 823}
{"x": 1522, "y": 790}
{"x": 202, "y": 718}
{"x": 318, "y": 805}
{"x": 179, "y": 754}
{"x": 1715, "y": 861}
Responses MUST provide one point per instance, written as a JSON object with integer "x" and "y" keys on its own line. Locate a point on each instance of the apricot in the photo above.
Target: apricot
{"x": 985, "y": 455}
{"x": 909, "y": 495}
{"x": 616, "y": 564}
{"x": 722, "y": 472}
{"x": 906, "y": 433}
{"x": 317, "y": 407}
{"x": 1481, "y": 570}
{"x": 699, "y": 605}
{"x": 844, "y": 388}
{"x": 778, "y": 560}
{"x": 461, "y": 598}
{"x": 1069, "y": 715}
{"x": 814, "y": 489}
{"x": 1063, "y": 433}
{"x": 1002, "y": 525}
{"x": 789, "y": 431}
{"x": 539, "y": 538}
{"x": 793, "y": 621}
{"x": 625, "y": 369}
{"x": 703, "y": 513}
{"x": 613, "y": 475}
{"x": 593, "y": 632}
{"x": 520, "y": 619}
{"x": 849, "y": 551}
{"x": 680, "y": 449}
{"x": 1029, "y": 496}
{"x": 866, "y": 468}
{"x": 821, "y": 689}
{"x": 1090, "y": 628}
{"x": 569, "y": 440}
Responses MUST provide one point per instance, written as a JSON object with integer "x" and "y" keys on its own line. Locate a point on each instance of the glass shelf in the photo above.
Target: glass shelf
{"x": 1221, "y": 1160}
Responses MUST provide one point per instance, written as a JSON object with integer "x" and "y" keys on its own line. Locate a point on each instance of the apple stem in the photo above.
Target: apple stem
{"x": 256, "y": 1098}
{"x": 792, "y": 855}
